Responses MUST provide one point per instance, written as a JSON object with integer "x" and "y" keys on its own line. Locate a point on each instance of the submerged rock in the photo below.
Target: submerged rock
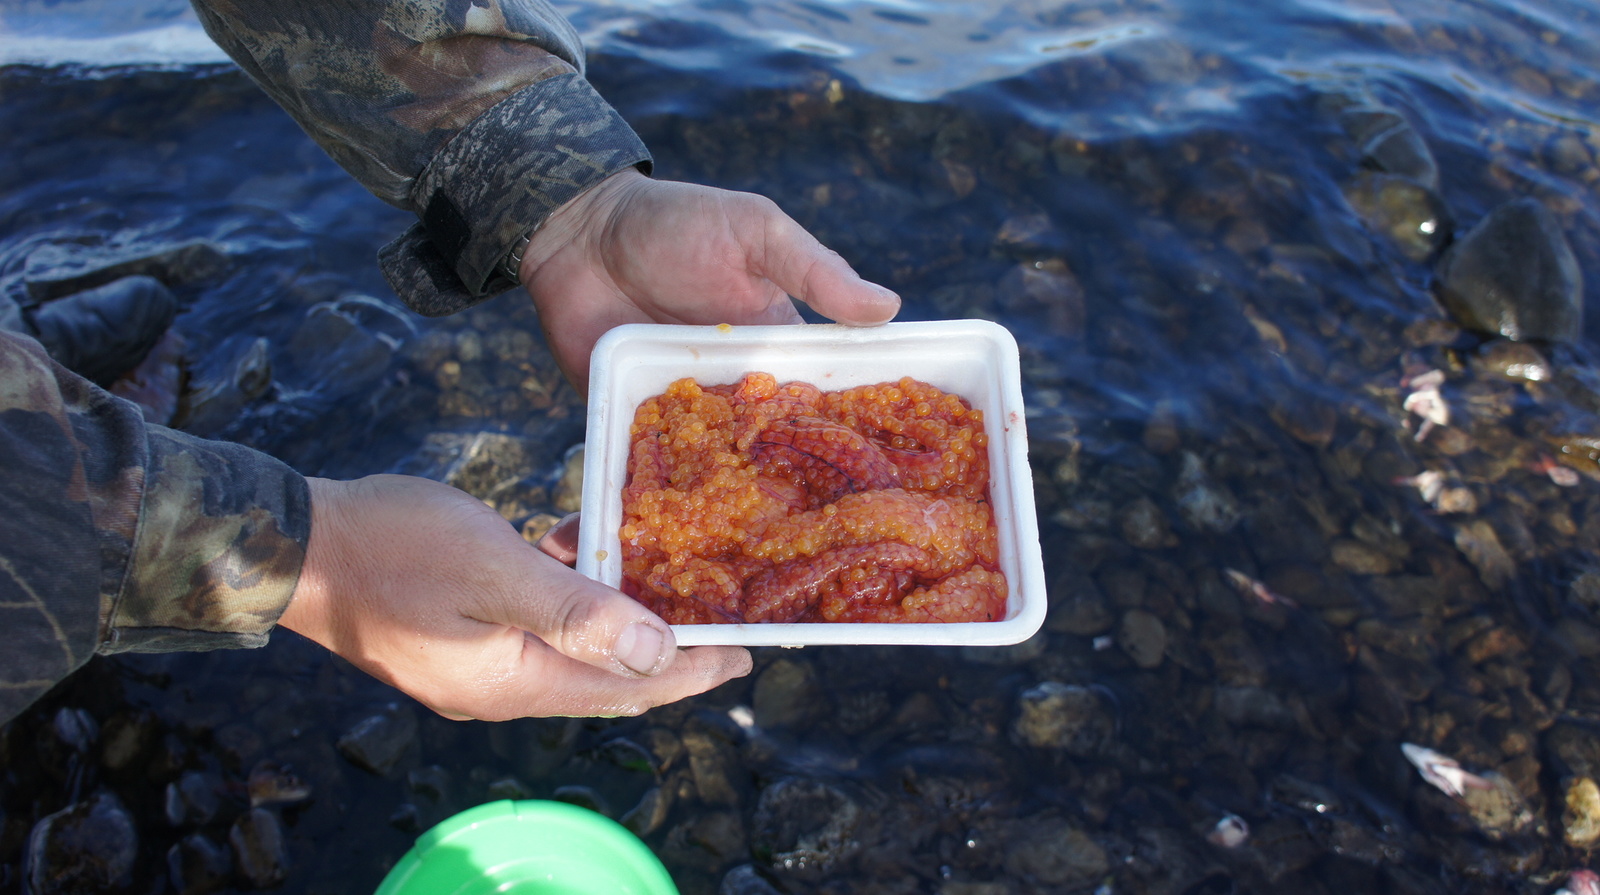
{"x": 215, "y": 400}
{"x": 258, "y": 846}
{"x": 62, "y": 268}
{"x": 196, "y": 864}
{"x": 1514, "y": 275}
{"x": 377, "y": 742}
{"x": 1389, "y": 143}
{"x": 1071, "y": 718}
{"x": 88, "y": 847}
{"x": 1409, "y": 215}
{"x": 1580, "y": 822}
{"x": 805, "y": 826}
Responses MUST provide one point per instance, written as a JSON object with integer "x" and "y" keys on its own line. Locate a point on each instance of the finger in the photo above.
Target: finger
{"x": 793, "y": 259}
{"x": 586, "y": 620}
{"x": 561, "y": 541}
{"x": 555, "y": 685}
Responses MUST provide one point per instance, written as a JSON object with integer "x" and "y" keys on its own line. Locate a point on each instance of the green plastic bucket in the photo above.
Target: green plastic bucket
{"x": 528, "y": 848}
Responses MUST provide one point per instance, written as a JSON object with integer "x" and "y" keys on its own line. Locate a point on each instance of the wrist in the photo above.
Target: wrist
{"x": 308, "y": 612}
{"x": 572, "y": 221}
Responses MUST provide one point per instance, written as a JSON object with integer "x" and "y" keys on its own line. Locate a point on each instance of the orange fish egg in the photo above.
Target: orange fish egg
{"x": 756, "y": 501}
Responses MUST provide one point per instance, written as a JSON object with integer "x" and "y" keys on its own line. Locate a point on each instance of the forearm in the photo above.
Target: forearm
{"x": 116, "y": 536}
{"x": 474, "y": 117}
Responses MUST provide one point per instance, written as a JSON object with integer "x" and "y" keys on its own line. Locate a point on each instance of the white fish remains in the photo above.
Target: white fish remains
{"x": 1443, "y": 771}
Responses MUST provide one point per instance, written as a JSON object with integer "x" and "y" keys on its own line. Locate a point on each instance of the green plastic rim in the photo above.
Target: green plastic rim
{"x": 528, "y": 848}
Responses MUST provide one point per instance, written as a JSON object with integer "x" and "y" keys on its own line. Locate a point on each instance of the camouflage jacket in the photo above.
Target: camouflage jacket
{"x": 116, "y": 535}
{"x": 472, "y": 114}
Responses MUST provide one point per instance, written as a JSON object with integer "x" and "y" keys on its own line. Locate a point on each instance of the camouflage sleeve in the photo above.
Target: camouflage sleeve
{"x": 473, "y": 114}
{"x": 120, "y": 536}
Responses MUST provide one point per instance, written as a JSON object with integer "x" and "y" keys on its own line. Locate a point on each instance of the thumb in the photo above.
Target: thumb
{"x": 806, "y": 269}
{"x": 595, "y": 624}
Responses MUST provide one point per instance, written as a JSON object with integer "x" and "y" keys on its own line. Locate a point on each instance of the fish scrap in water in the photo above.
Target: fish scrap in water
{"x": 1426, "y": 401}
{"x": 1443, "y": 771}
{"x": 1230, "y": 832}
{"x": 1250, "y": 587}
{"x": 1581, "y": 882}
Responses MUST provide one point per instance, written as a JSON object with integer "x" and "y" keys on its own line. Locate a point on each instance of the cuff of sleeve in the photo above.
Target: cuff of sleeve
{"x": 221, "y": 539}
{"x": 496, "y": 181}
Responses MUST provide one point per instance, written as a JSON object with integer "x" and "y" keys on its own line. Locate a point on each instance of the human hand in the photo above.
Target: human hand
{"x": 426, "y": 588}
{"x": 636, "y": 250}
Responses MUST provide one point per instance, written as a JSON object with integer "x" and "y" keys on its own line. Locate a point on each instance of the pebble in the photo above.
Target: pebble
{"x": 377, "y": 742}
{"x": 1145, "y": 526}
{"x": 90, "y": 846}
{"x": 258, "y": 848}
{"x": 568, "y": 495}
{"x": 1478, "y": 542}
{"x": 1361, "y": 559}
{"x": 216, "y": 399}
{"x": 1143, "y": 637}
{"x": 334, "y": 352}
{"x": 745, "y": 879}
{"x": 194, "y": 799}
{"x": 1410, "y": 216}
{"x": 1053, "y": 852}
{"x": 1580, "y": 821}
{"x": 1067, "y": 717}
{"x": 197, "y": 864}
{"x": 1204, "y": 503}
{"x": 787, "y": 694}
{"x": 1499, "y": 810}
{"x": 807, "y": 827}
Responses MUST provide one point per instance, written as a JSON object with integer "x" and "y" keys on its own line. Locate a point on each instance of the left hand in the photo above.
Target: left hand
{"x": 637, "y": 250}
{"x": 426, "y": 588}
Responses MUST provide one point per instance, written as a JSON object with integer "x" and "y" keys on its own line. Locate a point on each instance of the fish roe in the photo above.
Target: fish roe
{"x": 756, "y": 501}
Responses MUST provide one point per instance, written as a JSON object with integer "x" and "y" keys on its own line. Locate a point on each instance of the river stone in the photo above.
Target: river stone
{"x": 568, "y": 495}
{"x": 1053, "y": 852}
{"x": 215, "y": 398}
{"x": 59, "y": 269}
{"x": 1481, "y": 546}
{"x": 1514, "y": 275}
{"x": 1145, "y": 526}
{"x": 1409, "y": 215}
{"x": 377, "y": 742}
{"x": 478, "y": 463}
{"x": 786, "y": 694}
{"x": 259, "y": 849}
{"x": 1143, "y": 637}
{"x": 1204, "y": 503}
{"x": 1068, "y": 717}
{"x": 1400, "y": 150}
{"x": 194, "y": 798}
{"x": 196, "y": 864}
{"x": 711, "y": 758}
{"x": 87, "y": 847}
{"x": 745, "y": 880}
{"x": 1580, "y": 822}
{"x": 334, "y": 352}
{"x": 806, "y": 826}
{"x": 1078, "y": 606}
{"x": 1499, "y": 809}
{"x": 1253, "y": 707}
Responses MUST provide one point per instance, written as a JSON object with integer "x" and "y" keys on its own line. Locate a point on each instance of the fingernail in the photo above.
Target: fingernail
{"x": 639, "y": 648}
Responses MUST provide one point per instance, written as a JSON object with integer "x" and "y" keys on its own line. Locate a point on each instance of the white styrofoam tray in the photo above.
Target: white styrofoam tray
{"x": 975, "y": 359}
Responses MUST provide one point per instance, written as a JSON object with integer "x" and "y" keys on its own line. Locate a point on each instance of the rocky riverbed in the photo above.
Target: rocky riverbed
{"x": 1315, "y": 425}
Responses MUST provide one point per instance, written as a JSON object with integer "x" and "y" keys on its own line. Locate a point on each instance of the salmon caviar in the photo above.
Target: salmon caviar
{"x": 756, "y": 501}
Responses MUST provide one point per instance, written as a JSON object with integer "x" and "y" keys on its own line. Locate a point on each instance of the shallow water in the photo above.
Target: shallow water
{"x": 1165, "y": 203}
